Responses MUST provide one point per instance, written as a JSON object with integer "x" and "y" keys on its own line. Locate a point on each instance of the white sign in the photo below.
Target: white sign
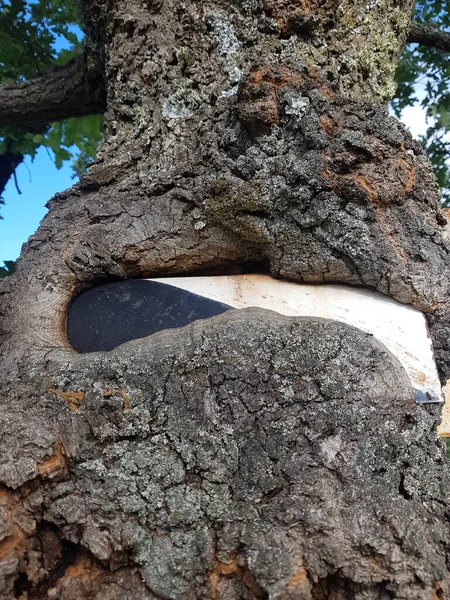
{"x": 402, "y": 329}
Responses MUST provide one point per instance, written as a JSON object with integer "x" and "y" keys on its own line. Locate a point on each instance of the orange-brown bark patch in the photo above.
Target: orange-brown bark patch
{"x": 73, "y": 399}
{"x": 298, "y": 578}
{"x": 4, "y": 495}
{"x": 55, "y": 465}
{"x": 233, "y": 568}
{"x": 16, "y": 541}
{"x": 372, "y": 194}
{"x": 259, "y": 94}
{"x": 325, "y": 172}
{"x": 313, "y": 71}
{"x": 230, "y": 568}
{"x": 327, "y": 91}
{"x": 378, "y": 566}
{"x": 276, "y": 75}
{"x": 250, "y": 581}
{"x": 10, "y": 501}
{"x": 268, "y": 109}
{"x": 122, "y": 394}
{"x": 83, "y": 568}
{"x": 441, "y": 590}
{"x": 410, "y": 175}
{"x": 328, "y": 124}
{"x": 368, "y": 187}
{"x": 398, "y": 251}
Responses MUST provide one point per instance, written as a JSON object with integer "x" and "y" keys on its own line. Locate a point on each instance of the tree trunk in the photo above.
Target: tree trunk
{"x": 249, "y": 455}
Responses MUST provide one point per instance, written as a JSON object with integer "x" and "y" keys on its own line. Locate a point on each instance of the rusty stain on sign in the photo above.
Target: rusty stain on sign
{"x": 402, "y": 329}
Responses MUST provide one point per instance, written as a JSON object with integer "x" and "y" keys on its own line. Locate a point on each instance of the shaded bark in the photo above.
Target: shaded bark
{"x": 249, "y": 455}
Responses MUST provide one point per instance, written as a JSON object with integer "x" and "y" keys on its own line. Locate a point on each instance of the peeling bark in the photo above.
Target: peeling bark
{"x": 250, "y": 455}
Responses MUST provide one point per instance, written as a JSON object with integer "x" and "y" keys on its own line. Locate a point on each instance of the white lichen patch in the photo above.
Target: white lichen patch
{"x": 182, "y": 103}
{"x": 142, "y": 117}
{"x": 297, "y": 105}
{"x": 234, "y": 75}
{"x": 174, "y": 109}
{"x": 287, "y": 392}
{"x": 331, "y": 447}
{"x": 228, "y": 93}
{"x": 199, "y": 221}
{"x": 228, "y": 46}
{"x": 227, "y": 40}
{"x": 199, "y": 225}
{"x": 95, "y": 466}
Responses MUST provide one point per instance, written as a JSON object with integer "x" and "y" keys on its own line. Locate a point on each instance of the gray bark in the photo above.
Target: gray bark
{"x": 241, "y": 457}
{"x": 250, "y": 455}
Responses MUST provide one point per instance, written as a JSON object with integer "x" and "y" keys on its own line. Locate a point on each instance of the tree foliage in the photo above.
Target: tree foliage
{"x": 34, "y": 37}
{"x": 423, "y": 77}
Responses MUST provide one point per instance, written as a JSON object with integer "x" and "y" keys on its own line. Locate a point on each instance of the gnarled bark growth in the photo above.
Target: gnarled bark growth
{"x": 250, "y": 455}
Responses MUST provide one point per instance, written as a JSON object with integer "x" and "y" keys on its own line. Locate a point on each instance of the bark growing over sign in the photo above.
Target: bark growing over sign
{"x": 240, "y": 457}
{"x": 249, "y": 456}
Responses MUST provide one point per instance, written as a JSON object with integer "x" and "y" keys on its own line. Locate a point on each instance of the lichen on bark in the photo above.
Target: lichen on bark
{"x": 250, "y": 455}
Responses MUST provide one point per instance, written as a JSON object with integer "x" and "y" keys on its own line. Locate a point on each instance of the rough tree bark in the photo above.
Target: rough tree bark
{"x": 249, "y": 455}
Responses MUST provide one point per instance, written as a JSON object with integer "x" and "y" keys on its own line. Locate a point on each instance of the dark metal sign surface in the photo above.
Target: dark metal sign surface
{"x": 106, "y": 316}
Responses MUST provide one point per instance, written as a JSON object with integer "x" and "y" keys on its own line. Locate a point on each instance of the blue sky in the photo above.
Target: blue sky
{"x": 38, "y": 181}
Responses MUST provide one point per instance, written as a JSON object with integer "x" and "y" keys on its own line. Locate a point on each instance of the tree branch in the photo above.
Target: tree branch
{"x": 8, "y": 163}
{"x": 70, "y": 91}
{"x": 429, "y": 35}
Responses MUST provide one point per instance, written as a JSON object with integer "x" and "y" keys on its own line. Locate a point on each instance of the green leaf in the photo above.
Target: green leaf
{"x": 424, "y": 71}
{"x": 28, "y": 30}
